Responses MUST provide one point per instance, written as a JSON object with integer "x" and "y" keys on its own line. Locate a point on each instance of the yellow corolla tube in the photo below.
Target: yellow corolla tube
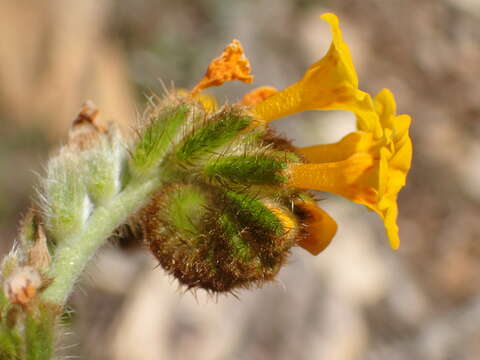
{"x": 364, "y": 167}
{"x": 329, "y": 84}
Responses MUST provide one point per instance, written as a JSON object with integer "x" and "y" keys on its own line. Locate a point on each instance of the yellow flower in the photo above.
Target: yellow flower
{"x": 366, "y": 169}
{"x": 368, "y": 166}
{"x": 329, "y": 84}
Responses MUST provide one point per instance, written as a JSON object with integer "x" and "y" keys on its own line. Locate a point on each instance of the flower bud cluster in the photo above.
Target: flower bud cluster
{"x": 224, "y": 217}
{"x": 27, "y": 324}
{"x": 87, "y": 172}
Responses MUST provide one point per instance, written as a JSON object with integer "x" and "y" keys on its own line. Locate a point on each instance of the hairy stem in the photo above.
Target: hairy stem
{"x": 73, "y": 254}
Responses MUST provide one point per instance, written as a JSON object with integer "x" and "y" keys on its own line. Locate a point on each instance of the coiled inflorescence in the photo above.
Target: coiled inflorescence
{"x": 224, "y": 218}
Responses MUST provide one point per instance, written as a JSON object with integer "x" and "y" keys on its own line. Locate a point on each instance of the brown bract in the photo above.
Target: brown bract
{"x": 38, "y": 255}
{"x": 85, "y": 128}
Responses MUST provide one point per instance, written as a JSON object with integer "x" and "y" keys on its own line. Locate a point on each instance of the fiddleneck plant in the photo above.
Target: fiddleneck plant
{"x": 220, "y": 199}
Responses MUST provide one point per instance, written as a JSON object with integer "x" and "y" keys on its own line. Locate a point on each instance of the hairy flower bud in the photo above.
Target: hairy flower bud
{"x": 100, "y": 152}
{"x": 86, "y": 172}
{"x": 66, "y": 200}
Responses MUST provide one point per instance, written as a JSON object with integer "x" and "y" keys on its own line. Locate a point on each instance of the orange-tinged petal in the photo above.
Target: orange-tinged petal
{"x": 320, "y": 227}
{"x": 258, "y": 95}
{"x": 231, "y": 65}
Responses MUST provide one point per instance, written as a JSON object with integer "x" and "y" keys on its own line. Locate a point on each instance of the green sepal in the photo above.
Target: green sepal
{"x": 9, "y": 264}
{"x": 39, "y": 334}
{"x": 240, "y": 248}
{"x": 286, "y": 156}
{"x": 67, "y": 202}
{"x": 213, "y": 134}
{"x": 185, "y": 207}
{"x": 100, "y": 183}
{"x": 104, "y": 165}
{"x": 156, "y": 139}
{"x": 247, "y": 170}
{"x": 3, "y": 301}
{"x": 10, "y": 340}
{"x": 253, "y": 213}
{"x": 10, "y": 343}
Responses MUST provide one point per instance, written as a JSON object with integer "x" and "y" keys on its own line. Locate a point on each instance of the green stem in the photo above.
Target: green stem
{"x": 73, "y": 254}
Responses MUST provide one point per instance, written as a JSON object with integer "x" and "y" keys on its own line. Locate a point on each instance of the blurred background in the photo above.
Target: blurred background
{"x": 356, "y": 300}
